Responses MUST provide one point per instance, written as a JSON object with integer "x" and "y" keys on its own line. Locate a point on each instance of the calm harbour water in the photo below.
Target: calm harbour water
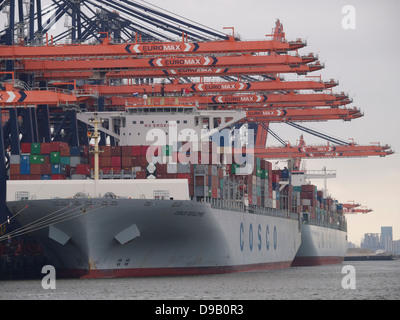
{"x": 374, "y": 280}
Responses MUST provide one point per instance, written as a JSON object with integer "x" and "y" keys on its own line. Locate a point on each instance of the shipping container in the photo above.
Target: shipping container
{"x": 64, "y": 151}
{"x": 55, "y": 157}
{"x": 15, "y": 169}
{"x": 45, "y": 168}
{"x": 25, "y": 147}
{"x": 116, "y": 161}
{"x": 75, "y": 151}
{"x": 45, "y": 148}
{"x": 115, "y": 151}
{"x": 57, "y": 168}
{"x": 15, "y": 159}
{"x": 83, "y": 169}
{"x": 141, "y": 175}
{"x": 25, "y": 159}
{"x": 25, "y": 168}
{"x": 58, "y": 177}
{"x": 36, "y": 168}
{"x": 35, "y": 148}
{"x": 105, "y": 151}
{"x": 136, "y": 150}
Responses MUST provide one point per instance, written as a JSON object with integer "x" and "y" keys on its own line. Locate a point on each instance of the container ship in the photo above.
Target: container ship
{"x": 143, "y": 217}
{"x": 150, "y": 214}
{"x": 323, "y": 226}
{"x": 178, "y": 185}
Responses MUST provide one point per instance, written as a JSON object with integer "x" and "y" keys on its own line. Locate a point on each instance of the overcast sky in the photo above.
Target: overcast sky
{"x": 364, "y": 60}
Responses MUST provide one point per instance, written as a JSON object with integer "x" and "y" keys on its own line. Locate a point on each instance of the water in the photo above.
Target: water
{"x": 374, "y": 280}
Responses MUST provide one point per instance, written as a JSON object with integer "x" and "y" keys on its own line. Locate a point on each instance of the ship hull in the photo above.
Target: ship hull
{"x": 320, "y": 246}
{"x": 100, "y": 238}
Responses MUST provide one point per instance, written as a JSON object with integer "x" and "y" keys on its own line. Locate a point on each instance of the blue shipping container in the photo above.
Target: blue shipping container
{"x": 57, "y": 168}
{"x": 75, "y": 152}
{"x": 25, "y": 159}
{"x": 25, "y": 168}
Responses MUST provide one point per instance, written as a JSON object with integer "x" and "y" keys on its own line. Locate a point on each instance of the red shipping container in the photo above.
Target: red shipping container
{"x": 126, "y": 151}
{"x": 115, "y": 151}
{"x": 170, "y": 176}
{"x": 83, "y": 169}
{"x": 45, "y": 168}
{"x": 191, "y": 190}
{"x": 214, "y": 192}
{"x": 161, "y": 168}
{"x": 143, "y": 150}
{"x": 36, "y": 168}
{"x": 275, "y": 177}
{"x": 116, "y": 161}
{"x": 199, "y": 181}
{"x": 136, "y": 150}
{"x": 105, "y": 151}
{"x": 105, "y": 170}
{"x": 64, "y": 150}
{"x": 126, "y": 161}
{"x": 214, "y": 182}
{"x": 85, "y": 151}
{"x": 14, "y": 169}
{"x": 58, "y": 177}
{"x": 136, "y": 161}
{"x": 308, "y": 188}
{"x": 55, "y": 146}
{"x": 105, "y": 161}
{"x": 45, "y": 148}
{"x": 25, "y": 147}
{"x": 143, "y": 161}
{"x": 141, "y": 175}
{"x": 187, "y": 176}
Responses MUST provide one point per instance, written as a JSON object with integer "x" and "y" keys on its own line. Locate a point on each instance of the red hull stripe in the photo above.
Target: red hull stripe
{"x": 151, "y": 272}
{"x": 315, "y": 261}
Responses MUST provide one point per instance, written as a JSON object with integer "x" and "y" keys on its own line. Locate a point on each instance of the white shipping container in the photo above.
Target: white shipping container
{"x": 74, "y": 161}
{"x": 306, "y": 202}
{"x": 172, "y": 168}
{"x": 15, "y": 159}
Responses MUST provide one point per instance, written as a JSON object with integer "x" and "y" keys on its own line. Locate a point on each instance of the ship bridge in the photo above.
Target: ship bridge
{"x": 142, "y": 125}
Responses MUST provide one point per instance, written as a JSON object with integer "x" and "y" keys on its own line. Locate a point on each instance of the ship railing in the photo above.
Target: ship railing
{"x": 327, "y": 224}
{"x": 253, "y": 209}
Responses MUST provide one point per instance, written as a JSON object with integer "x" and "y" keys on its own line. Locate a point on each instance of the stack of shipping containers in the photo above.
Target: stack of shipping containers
{"x": 262, "y": 187}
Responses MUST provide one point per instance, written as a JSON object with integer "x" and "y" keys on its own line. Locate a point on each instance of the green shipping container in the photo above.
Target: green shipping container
{"x": 258, "y": 161}
{"x": 221, "y": 183}
{"x": 35, "y": 148}
{"x": 37, "y": 159}
{"x": 209, "y": 191}
{"x": 65, "y": 160}
{"x": 54, "y": 157}
{"x": 258, "y": 172}
{"x": 167, "y": 150}
{"x": 264, "y": 174}
{"x": 234, "y": 167}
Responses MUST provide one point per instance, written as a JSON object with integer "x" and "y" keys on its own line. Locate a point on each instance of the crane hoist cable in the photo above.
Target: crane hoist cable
{"x": 318, "y": 134}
